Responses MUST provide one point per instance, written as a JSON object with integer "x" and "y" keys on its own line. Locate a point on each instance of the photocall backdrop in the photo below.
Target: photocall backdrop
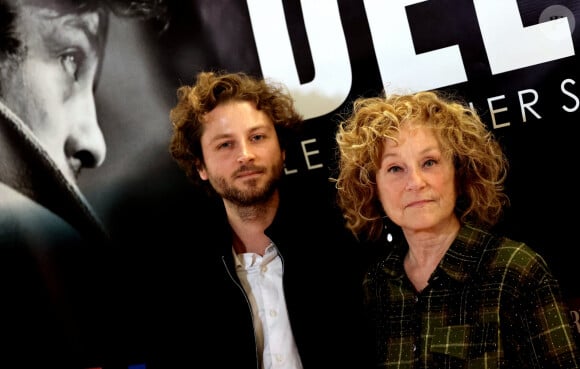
{"x": 515, "y": 61}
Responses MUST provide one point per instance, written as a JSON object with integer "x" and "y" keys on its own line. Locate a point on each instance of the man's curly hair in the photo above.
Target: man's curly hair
{"x": 212, "y": 89}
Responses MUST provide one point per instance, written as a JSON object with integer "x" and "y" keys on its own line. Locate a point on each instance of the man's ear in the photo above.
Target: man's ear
{"x": 201, "y": 170}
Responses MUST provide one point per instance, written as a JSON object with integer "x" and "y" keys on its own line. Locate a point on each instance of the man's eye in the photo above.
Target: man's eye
{"x": 72, "y": 63}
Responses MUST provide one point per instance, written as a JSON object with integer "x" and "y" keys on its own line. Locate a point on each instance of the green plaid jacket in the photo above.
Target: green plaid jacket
{"x": 491, "y": 303}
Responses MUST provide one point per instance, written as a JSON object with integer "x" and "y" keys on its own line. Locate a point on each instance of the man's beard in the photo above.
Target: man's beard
{"x": 253, "y": 195}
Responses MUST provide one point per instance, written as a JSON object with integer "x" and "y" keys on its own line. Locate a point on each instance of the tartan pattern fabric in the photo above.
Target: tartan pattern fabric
{"x": 491, "y": 303}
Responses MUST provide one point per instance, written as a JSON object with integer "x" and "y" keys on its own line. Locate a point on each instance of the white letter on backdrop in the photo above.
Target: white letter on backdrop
{"x": 510, "y": 46}
{"x": 332, "y": 72}
{"x": 493, "y": 111}
{"x": 401, "y": 68}
{"x": 528, "y": 105}
{"x": 570, "y": 94}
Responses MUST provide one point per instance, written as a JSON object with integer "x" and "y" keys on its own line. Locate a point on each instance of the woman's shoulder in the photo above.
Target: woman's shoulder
{"x": 500, "y": 254}
{"x": 515, "y": 260}
{"x": 515, "y": 253}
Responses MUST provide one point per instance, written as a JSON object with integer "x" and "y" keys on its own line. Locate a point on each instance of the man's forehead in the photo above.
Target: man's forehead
{"x": 63, "y": 6}
{"x": 61, "y": 20}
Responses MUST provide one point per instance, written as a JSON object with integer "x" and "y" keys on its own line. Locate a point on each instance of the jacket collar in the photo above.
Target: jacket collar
{"x": 459, "y": 263}
{"x": 26, "y": 167}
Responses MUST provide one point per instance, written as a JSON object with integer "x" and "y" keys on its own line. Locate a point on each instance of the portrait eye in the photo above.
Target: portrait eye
{"x": 72, "y": 62}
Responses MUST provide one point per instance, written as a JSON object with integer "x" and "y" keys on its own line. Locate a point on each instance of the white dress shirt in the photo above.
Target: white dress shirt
{"x": 261, "y": 278}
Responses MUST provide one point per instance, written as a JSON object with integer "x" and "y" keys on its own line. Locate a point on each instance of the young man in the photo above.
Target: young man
{"x": 275, "y": 277}
{"x": 50, "y": 56}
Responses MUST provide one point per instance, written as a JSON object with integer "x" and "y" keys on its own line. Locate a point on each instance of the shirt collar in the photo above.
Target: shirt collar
{"x": 459, "y": 262}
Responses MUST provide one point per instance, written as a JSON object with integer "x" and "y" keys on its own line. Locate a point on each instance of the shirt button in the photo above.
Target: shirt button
{"x": 273, "y": 313}
{"x": 416, "y": 298}
{"x": 414, "y": 347}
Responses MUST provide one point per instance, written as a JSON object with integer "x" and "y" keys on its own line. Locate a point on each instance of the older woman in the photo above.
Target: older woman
{"x": 447, "y": 292}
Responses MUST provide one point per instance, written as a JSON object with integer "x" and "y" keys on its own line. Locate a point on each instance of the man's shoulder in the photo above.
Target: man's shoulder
{"x": 21, "y": 218}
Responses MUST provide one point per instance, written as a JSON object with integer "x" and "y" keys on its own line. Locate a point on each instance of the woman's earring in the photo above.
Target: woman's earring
{"x": 386, "y": 228}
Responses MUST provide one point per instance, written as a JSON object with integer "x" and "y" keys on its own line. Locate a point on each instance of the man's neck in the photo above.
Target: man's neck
{"x": 249, "y": 223}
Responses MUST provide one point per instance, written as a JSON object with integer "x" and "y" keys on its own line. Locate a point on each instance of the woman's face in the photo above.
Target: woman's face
{"x": 51, "y": 88}
{"x": 416, "y": 181}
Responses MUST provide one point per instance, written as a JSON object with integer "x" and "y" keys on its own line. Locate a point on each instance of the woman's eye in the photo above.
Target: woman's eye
{"x": 257, "y": 137}
{"x": 430, "y": 163}
{"x": 394, "y": 169}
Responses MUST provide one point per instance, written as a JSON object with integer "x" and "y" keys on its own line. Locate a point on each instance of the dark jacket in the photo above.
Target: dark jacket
{"x": 204, "y": 315}
{"x": 48, "y": 234}
{"x": 29, "y": 176}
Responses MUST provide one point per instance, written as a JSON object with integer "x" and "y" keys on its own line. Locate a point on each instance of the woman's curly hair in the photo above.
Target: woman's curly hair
{"x": 212, "y": 89}
{"x": 480, "y": 164}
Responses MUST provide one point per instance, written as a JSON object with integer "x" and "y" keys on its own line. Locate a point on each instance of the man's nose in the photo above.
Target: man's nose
{"x": 246, "y": 153}
{"x": 86, "y": 141}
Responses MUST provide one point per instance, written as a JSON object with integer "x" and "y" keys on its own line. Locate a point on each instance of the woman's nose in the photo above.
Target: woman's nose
{"x": 415, "y": 179}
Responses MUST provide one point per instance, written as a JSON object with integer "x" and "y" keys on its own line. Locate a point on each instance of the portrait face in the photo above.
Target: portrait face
{"x": 50, "y": 87}
{"x": 243, "y": 160}
{"x": 416, "y": 181}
